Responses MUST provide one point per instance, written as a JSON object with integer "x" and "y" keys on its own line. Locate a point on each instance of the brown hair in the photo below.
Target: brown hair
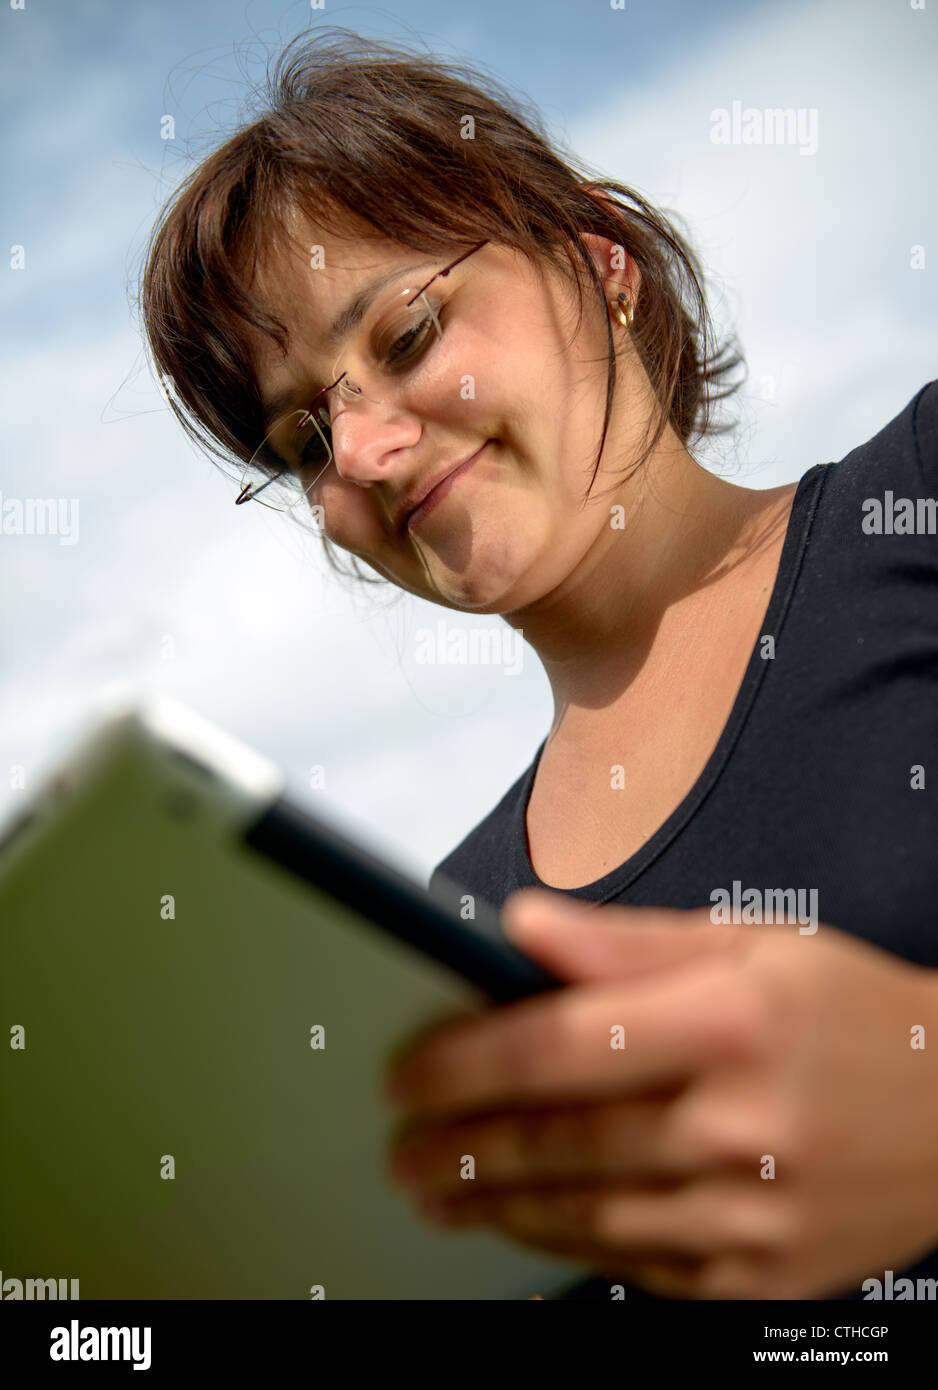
{"x": 361, "y": 129}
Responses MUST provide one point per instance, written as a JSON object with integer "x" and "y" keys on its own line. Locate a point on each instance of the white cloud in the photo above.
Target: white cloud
{"x": 811, "y": 253}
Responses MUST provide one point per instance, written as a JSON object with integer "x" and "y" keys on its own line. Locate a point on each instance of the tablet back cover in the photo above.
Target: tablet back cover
{"x": 192, "y": 1106}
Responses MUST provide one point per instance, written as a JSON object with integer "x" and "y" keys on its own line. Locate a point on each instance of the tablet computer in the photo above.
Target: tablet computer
{"x": 201, "y": 986}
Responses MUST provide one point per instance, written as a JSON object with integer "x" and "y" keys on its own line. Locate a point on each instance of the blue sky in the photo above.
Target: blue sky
{"x": 169, "y": 588}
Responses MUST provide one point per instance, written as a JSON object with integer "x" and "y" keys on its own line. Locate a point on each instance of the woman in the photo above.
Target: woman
{"x": 406, "y": 317}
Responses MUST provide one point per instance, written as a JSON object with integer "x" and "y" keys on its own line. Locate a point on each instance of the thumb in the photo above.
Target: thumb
{"x": 578, "y": 940}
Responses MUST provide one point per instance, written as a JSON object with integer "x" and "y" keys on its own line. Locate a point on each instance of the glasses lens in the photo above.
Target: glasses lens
{"x": 298, "y": 448}
{"x": 281, "y": 473}
{"x": 398, "y": 337}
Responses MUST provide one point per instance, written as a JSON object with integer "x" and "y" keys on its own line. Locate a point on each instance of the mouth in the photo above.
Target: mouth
{"x": 416, "y": 515}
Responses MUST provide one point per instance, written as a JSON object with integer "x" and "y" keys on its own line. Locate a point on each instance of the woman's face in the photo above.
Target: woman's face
{"x": 506, "y": 382}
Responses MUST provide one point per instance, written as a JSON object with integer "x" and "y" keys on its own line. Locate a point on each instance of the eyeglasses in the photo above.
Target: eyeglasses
{"x": 401, "y": 330}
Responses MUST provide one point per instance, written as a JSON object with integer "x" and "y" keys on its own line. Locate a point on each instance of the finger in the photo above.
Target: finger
{"x": 631, "y": 1141}
{"x": 579, "y": 941}
{"x": 658, "y": 1271}
{"x": 697, "y": 1220}
{"x": 725, "y": 1277}
{"x": 728, "y": 1277}
{"x": 663, "y": 1276}
{"x": 422, "y": 1032}
{"x": 589, "y": 1043}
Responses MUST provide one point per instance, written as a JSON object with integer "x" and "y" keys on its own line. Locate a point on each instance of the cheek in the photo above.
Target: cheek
{"x": 348, "y": 515}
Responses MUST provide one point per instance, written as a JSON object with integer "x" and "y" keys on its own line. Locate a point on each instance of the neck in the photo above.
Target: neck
{"x": 647, "y": 597}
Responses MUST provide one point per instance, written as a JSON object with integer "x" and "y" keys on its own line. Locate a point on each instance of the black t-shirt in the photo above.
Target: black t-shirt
{"x": 826, "y": 774}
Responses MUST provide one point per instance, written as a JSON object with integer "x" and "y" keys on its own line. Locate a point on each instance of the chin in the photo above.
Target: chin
{"x": 494, "y": 576}
{"x": 478, "y": 592}
{"x": 468, "y": 598}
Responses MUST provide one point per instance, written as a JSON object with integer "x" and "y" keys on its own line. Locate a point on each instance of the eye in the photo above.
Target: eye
{"x": 411, "y": 343}
{"x": 307, "y": 444}
{"x": 408, "y": 337}
{"x": 407, "y": 332}
{"x": 314, "y": 455}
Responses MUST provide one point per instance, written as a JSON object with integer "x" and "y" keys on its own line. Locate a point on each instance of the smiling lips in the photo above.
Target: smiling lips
{"x": 438, "y": 492}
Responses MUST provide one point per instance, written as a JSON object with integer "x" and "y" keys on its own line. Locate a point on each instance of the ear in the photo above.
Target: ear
{"x": 616, "y": 267}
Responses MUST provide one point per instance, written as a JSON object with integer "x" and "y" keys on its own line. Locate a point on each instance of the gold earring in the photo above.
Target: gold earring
{"x": 627, "y": 317}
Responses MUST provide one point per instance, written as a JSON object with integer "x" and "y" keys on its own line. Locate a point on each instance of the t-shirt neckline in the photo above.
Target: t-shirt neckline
{"x": 804, "y": 505}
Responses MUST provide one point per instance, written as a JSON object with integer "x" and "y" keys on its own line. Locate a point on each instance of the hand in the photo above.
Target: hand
{"x": 767, "y": 1131}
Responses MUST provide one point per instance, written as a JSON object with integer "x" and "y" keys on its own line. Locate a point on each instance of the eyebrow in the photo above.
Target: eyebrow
{"x": 348, "y": 319}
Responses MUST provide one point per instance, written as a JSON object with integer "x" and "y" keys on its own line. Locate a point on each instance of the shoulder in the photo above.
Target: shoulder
{"x": 925, "y": 428}
{"x": 904, "y": 451}
{"x": 886, "y": 488}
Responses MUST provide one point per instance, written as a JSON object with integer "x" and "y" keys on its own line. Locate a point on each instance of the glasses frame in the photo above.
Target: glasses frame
{"x": 250, "y": 492}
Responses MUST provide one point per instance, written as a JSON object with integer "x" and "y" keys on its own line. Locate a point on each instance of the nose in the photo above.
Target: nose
{"x": 367, "y": 436}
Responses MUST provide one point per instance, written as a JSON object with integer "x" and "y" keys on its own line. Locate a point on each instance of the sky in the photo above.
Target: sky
{"x": 819, "y": 253}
